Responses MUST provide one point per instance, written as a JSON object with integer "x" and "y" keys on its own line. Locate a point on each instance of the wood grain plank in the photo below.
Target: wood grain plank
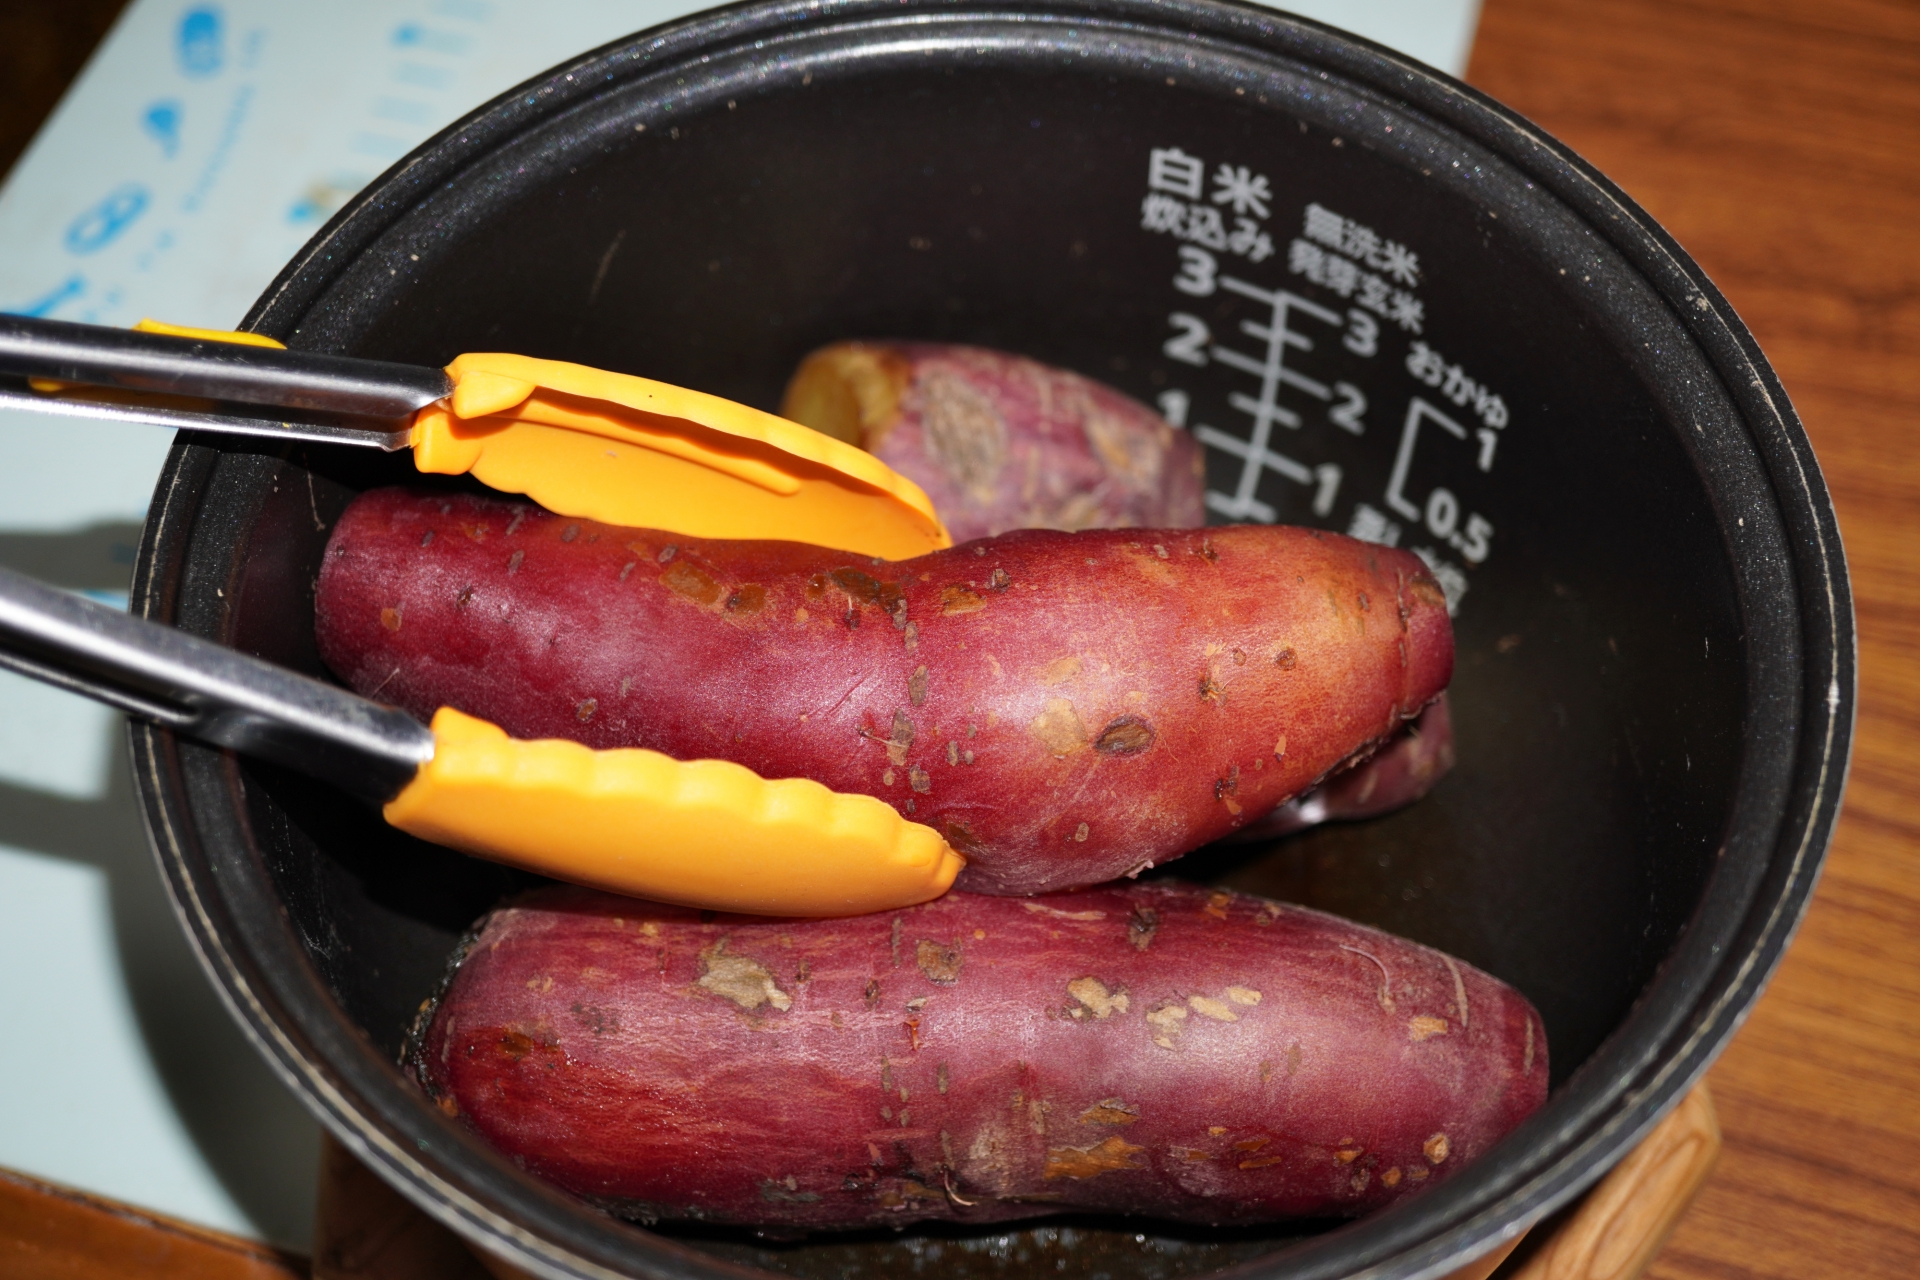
{"x": 365, "y": 1230}
{"x": 55, "y": 1233}
{"x": 1777, "y": 140}
{"x": 1622, "y": 1223}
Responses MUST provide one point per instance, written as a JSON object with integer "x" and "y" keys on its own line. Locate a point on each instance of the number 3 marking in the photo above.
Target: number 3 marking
{"x": 1363, "y": 333}
{"x": 1197, "y": 269}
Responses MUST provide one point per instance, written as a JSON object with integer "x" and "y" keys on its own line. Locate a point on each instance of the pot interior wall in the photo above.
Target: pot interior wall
{"x": 712, "y": 234}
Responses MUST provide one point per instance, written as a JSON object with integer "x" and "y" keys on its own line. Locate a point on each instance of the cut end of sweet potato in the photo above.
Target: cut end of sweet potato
{"x": 850, "y": 391}
{"x": 1001, "y": 442}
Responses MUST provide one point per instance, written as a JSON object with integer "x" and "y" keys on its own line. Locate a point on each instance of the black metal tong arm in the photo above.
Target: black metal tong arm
{"x": 207, "y": 691}
{"x": 99, "y": 356}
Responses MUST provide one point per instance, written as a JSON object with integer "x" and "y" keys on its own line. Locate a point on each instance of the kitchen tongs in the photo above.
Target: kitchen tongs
{"x": 703, "y": 833}
{"x": 582, "y": 442}
{"x": 208, "y": 691}
{"x": 336, "y": 399}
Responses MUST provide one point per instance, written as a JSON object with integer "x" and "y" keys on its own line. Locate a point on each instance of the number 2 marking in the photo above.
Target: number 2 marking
{"x": 1353, "y": 403}
{"x": 1189, "y": 345}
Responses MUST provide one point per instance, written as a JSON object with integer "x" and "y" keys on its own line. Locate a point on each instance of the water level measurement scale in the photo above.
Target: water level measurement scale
{"x": 1287, "y": 366}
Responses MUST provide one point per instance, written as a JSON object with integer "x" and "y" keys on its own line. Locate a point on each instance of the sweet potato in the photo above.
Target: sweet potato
{"x": 1402, "y": 770}
{"x": 1004, "y": 442}
{"x": 1063, "y": 707}
{"x": 1149, "y": 1048}
{"x": 1000, "y": 442}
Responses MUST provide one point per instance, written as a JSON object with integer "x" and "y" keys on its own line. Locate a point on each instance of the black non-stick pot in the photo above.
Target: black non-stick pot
{"x": 1387, "y": 305}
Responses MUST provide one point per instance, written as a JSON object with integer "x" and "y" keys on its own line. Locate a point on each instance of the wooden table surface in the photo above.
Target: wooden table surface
{"x": 1779, "y": 140}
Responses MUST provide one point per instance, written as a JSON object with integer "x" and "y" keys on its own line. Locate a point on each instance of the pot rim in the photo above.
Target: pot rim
{"x": 1593, "y": 1120}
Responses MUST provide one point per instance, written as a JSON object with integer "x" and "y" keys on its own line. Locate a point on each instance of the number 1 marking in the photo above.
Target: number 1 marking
{"x": 1328, "y": 474}
{"x": 1174, "y": 406}
{"x": 1487, "y": 440}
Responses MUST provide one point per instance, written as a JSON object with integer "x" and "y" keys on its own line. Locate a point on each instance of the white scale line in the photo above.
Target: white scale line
{"x": 1248, "y": 405}
{"x": 1226, "y": 506}
{"x": 1266, "y": 410}
{"x": 1239, "y": 448}
{"x": 1234, "y": 285}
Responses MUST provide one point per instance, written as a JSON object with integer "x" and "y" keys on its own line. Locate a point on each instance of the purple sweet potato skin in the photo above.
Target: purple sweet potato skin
{"x": 1001, "y": 442}
{"x": 1064, "y": 707}
{"x": 1155, "y": 1048}
{"x": 1401, "y": 771}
